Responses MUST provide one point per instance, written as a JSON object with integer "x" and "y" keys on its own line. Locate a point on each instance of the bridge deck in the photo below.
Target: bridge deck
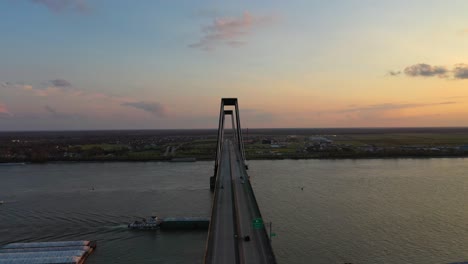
{"x": 234, "y": 209}
{"x": 222, "y": 246}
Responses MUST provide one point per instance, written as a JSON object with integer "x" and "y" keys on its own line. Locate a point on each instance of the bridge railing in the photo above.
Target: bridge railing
{"x": 266, "y": 238}
{"x": 209, "y": 244}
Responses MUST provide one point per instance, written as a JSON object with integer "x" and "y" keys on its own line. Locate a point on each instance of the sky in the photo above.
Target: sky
{"x": 149, "y": 64}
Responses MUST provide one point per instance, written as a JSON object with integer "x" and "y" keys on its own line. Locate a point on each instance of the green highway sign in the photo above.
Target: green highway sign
{"x": 257, "y": 223}
{"x": 259, "y": 226}
{"x": 258, "y": 220}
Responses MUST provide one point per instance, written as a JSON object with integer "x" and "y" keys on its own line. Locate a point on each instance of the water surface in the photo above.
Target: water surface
{"x": 366, "y": 211}
{"x": 359, "y": 211}
{"x": 95, "y": 201}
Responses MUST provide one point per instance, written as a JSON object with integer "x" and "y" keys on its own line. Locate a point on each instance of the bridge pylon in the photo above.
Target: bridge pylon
{"x": 237, "y": 233}
{"x": 237, "y": 133}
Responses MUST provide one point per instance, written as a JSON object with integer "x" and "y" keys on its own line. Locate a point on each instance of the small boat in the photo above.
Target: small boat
{"x": 151, "y": 223}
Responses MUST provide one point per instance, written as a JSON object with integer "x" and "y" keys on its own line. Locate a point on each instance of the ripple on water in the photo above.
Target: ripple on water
{"x": 359, "y": 211}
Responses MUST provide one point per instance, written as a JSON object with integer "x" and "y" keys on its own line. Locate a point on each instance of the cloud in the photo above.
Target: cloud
{"x": 37, "y": 91}
{"x": 50, "y": 110}
{"x": 5, "y": 84}
{"x": 4, "y": 112}
{"x": 426, "y": 70}
{"x": 394, "y": 73}
{"x": 381, "y": 113}
{"x": 230, "y": 30}
{"x": 59, "y": 89}
{"x": 60, "y": 83}
{"x": 154, "y": 108}
{"x": 25, "y": 87}
{"x": 3, "y": 108}
{"x": 58, "y": 6}
{"x": 391, "y": 106}
{"x": 54, "y": 113}
{"x": 63, "y": 88}
{"x": 460, "y": 71}
{"x": 45, "y": 89}
{"x": 456, "y": 97}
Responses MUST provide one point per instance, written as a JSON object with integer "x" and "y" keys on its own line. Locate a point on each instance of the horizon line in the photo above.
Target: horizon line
{"x": 255, "y": 128}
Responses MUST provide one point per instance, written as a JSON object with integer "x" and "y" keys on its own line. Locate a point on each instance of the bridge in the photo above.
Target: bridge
{"x": 237, "y": 233}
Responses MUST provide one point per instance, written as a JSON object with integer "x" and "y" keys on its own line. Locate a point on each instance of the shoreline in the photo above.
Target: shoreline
{"x": 194, "y": 159}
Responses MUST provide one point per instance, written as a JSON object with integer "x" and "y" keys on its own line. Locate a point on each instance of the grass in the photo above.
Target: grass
{"x": 206, "y": 148}
{"x": 388, "y": 140}
{"x": 105, "y": 147}
{"x": 144, "y": 154}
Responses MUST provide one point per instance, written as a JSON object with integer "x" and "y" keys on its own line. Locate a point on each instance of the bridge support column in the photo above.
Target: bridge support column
{"x": 237, "y": 134}
{"x": 212, "y": 183}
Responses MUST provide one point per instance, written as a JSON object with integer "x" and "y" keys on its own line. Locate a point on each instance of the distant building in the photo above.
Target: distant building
{"x": 320, "y": 140}
{"x": 367, "y": 148}
{"x": 464, "y": 148}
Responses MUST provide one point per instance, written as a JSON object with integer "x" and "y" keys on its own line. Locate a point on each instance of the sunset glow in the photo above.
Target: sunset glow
{"x": 165, "y": 64}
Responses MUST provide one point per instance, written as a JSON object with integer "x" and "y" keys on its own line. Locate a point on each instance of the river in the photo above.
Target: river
{"x": 323, "y": 211}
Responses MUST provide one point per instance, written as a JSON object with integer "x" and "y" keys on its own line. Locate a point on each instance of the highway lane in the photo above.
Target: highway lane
{"x": 234, "y": 209}
{"x": 258, "y": 248}
{"x": 234, "y": 236}
{"x": 224, "y": 247}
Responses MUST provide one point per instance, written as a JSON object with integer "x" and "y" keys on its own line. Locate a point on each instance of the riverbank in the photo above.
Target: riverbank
{"x": 273, "y": 144}
{"x": 272, "y": 157}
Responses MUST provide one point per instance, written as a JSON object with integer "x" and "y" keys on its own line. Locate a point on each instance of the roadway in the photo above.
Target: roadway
{"x": 233, "y": 212}
{"x": 258, "y": 248}
{"x": 222, "y": 246}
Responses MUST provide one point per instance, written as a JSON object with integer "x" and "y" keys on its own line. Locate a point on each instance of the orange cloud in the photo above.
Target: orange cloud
{"x": 230, "y": 30}
{"x": 4, "y": 110}
{"x": 42, "y": 92}
{"x": 391, "y": 106}
{"x": 39, "y": 92}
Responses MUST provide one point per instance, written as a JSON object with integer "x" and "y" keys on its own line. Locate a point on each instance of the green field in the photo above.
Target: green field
{"x": 387, "y": 140}
{"x": 290, "y": 147}
{"x": 105, "y": 147}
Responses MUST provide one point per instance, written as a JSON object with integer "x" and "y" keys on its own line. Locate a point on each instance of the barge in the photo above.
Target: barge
{"x": 171, "y": 223}
{"x": 60, "y": 252}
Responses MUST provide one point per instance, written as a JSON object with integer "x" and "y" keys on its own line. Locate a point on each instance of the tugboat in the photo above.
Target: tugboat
{"x": 151, "y": 223}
